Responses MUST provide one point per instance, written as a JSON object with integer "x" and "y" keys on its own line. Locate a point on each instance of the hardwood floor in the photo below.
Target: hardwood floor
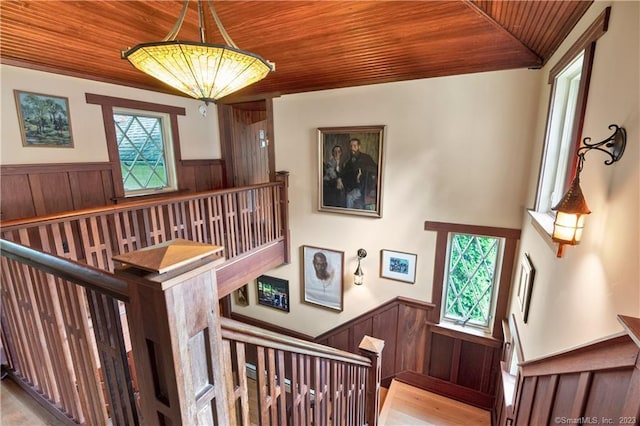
{"x": 406, "y": 405}
{"x": 17, "y": 408}
{"x": 402, "y": 405}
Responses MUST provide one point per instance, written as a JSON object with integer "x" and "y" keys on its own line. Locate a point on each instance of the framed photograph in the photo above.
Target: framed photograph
{"x": 242, "y": 295}
{"x": 350, "y": 170}
{"x": 398, "y": 266}
{"x": 273, "y": 292}
{"x": 525, "y": 285}
{"x": 323, "y": 277}
{"x": 44, "y": 120}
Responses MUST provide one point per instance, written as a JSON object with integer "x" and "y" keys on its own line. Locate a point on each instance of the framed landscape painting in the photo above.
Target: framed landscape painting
{"x": 350, "y": 170}
{"x": 44, "y": 120}
{"x": 398, "y": 266}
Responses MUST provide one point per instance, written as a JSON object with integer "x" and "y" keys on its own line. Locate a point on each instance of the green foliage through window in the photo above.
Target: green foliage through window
{"x": 141, "y": 146}
{"x": 471, "y": 278}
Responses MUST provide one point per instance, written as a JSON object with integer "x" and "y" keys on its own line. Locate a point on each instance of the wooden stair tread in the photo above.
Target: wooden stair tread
{"x": 407, "y": 405}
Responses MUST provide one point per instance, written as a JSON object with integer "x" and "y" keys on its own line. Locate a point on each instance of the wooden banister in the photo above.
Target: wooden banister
{"x": 234, "y": 330}
{"x": 83, "y": 275}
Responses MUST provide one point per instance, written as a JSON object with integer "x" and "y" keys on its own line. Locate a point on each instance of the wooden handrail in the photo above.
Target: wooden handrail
{"x": 234, "y": 330}
{"x": 83, "y": 213}
{"x": 78, "y": 273}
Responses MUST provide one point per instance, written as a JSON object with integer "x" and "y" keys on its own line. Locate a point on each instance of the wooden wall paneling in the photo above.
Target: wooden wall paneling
{"x": 546, "y": 393}
{"x": 16, "y": 200}
{"x": 360, "y": 329}
{"x": 607, "y": 394}
{"x": 385, "y": 327}
{"x": 55, "y": 192}
{"x": 441, "y": 356}
{"x": 527, "y": 395}
{"x": 87, "y": 189}
{"x": 412, "y": 333}
{"x": 632, "y": 404}
{"x": 472, "y": 365}
{"x": 341, "y": 340}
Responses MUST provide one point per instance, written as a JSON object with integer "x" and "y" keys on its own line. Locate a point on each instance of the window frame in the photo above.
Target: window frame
{"x": 108, "y": 104}
{"x": 494, "y": 286}
{"x": 585, "y": 45}
{"x": 167, "y": 144}
{"x": 511, "y": 237}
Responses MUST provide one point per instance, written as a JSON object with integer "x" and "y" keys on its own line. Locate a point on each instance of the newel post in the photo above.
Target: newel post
{"x": 175, "y": 332}
{"x": 283, "y": 176}
{"x": 371, "y": 348}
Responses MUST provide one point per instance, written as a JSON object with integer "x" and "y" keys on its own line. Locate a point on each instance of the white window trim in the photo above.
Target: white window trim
{"x": 167, "y": 140}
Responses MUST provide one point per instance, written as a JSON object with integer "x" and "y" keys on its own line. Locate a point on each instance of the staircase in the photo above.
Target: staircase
{"x": 408, "y": 405}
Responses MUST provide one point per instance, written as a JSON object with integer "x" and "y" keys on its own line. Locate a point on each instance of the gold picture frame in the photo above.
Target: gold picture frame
{"x": 44, "y": 120}
{"x": 350, "y": 167}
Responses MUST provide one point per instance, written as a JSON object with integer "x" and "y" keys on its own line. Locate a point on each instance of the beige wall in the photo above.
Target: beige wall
{"x": 457, "y": 150}
{"x": 576, "y": 299}
{"x": 199, "y": 136}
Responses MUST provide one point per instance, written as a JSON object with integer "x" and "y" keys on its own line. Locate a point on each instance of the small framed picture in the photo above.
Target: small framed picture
{"x": 323, "y": 277}
{"x": 525, "y": 285}
{"x": 242, "y": 295}
{"x": 350, "y": 170}
{"x": 44, "y": 120}
{"x": 398, "y": 266}
{"x": 273, "y": 292}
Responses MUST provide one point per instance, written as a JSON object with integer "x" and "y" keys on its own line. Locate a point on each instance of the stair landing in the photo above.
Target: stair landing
{"x": 406, "y": 405}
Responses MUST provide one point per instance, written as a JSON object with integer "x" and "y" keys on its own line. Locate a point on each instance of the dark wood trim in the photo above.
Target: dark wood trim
{"x": 592, "y": 34}
{"x": 204, "y": 162}
{"x": 621, "y": 352}
{"x": 269, "y": 326}
{"x": 22, "y": 169}
{"x": 147, "y": 197}
{"x": 271, "y": 138}
{"x": 111, "y": 101}
{"x": 468, "y": 337}
{"x": 108, "y": 103}
{"x": 492, "y": 231}
{"x": 511, "y": 236}
{"x": 225, "y": 125}
{"x": 375, "y": 311}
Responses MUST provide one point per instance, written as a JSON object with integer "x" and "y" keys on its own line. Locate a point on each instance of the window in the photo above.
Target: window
{"x": 570, "y": 79}
{"x": 472, "y": 275}
{"x": 559, "y": 141}
{"x": 143, "y": 143}
{"x": 145, "y": 151}
{"x": 471, "y": 279}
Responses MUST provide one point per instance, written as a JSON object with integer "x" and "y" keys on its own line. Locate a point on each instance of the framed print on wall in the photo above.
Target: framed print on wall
{"x": 273, "y": 292}
{"x": 350, "y": 170}
{"x": 323, "y": 277}
{"x": 398, "y": 266}
{"x": 44, "y": 120}
{"x": 525, "y": 285}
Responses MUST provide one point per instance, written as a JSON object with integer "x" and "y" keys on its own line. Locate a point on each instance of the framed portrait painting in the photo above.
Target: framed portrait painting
{"x": 398, "y": 266}
{"x": 350, "y": 169}
{"x": 44, "y": 120}
{"x": 273, "y": 292}
{"x": 323, "y": 277}
{"x": 525, "y": 285}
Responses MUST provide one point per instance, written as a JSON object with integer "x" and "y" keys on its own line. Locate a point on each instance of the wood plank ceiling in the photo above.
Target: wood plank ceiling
{"x": 316, "y": 45}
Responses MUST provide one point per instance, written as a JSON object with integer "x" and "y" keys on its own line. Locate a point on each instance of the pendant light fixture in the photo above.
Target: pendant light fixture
{"x": 202, "y": 70}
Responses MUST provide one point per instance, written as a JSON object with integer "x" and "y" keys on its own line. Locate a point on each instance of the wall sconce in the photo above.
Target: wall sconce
{"x": 572, "y": 208}
{"x": 358, "y": 275}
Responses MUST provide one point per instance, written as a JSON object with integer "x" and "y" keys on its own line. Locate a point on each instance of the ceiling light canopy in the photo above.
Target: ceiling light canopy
{"x": 202, "y": 70}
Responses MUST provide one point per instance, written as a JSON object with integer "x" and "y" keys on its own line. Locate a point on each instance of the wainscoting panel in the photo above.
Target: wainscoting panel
{"x": 30, "y": 190}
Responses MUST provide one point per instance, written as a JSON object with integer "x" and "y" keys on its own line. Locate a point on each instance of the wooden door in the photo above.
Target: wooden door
{"x": 247, "y": 147}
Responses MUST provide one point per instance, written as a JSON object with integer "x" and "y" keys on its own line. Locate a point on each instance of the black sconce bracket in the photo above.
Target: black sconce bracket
{"x": 362, "y": 253}
{"x": 614, "y": 146}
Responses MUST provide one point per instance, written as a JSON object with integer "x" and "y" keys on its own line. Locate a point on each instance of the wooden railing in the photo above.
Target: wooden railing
{"x": 298, "y": 382}
{"x": 61, "y": 331}
{"x": 242, "y": 220}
